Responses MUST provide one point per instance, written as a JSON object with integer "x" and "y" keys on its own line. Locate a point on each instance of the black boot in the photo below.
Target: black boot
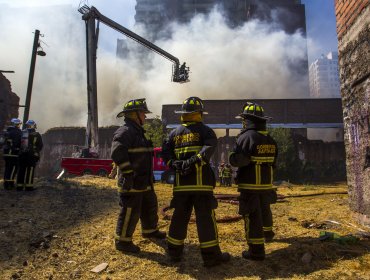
{"x": 256, "y": 252}
{"x": 269, "y": 236}
{"x": 9, "y": 186}
{"x": 156, "y": 234}
{"x": 221, "y": 258}
{"x": 127, "y": 247}
{"x": 249, "y": 256}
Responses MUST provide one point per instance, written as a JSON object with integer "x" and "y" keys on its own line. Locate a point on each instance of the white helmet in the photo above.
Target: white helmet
{"x": 15, "y": 122}
{"x": 31, "y": 124}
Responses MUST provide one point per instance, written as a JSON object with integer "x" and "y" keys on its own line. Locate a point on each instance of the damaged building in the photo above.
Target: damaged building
{"x": 9, "y": 104}
{"x": 353, "y": 29}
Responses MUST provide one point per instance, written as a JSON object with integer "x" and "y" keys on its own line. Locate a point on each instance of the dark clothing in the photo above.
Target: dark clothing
{"x": 133, "y": 155}
{"x": 28, "y": 158}
{"x": 12, "y": 145}
{"x": 141, "y": 205}
{"x": 204, "y": 206}
{"x": 227, "y": 175}
{"x": 187, "y": 140}
{"x": 260, "y": 150}
{"x": 193, "y": 190}
{"x": 255, "y": 155}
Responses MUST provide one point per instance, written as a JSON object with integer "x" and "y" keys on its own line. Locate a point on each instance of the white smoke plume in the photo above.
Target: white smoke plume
{"x": 252, "y": 61}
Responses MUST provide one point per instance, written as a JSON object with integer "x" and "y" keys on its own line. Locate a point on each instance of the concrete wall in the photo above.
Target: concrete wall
{"x": 353, "y": 28}
{"x": 59, "y": 142}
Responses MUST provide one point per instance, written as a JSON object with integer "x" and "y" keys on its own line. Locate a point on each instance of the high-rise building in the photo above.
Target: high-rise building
{"x": 155, "y": 16}
{"x": 324, "y": 77}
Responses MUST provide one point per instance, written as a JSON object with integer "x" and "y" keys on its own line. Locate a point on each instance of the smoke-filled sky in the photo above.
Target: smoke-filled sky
{"x": 252, "y": 61}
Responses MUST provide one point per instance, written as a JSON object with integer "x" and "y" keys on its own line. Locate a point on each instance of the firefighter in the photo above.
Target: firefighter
{"x": 255, "y": 155}
{"x": 220, "y": 173}
{"x": 188, "y": 150}
{"x": 133, "y": 155}
{"x": 29, "y": 155}
{"x": 12, "y": 145}
{"x": 227, "y": 175}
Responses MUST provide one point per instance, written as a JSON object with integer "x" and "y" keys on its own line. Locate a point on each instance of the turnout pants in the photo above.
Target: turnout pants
{"x": 26, "y": 173}
{"x": 137, "y": 206}
{"x": 256, "y": 212}
{"x": 11, "y": 168}
{"x": 204, "y": 206}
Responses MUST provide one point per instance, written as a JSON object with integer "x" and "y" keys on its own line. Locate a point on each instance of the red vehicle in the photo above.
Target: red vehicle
{"x": 89, "y": 163}
{"x": 103, "y": 167}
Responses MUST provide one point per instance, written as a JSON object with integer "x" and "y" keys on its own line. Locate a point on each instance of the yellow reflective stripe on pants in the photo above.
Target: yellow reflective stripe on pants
{"x": 255, "y": 187}
{"x": 215, "y": 224}
{"x": 12, "y": 175}
{"x": 125, "y": 225}
{"x": 30, "y": 174}
{"x": 175, "y": 241}
{"x": 267, "y": 228}
{"x": 256, "y": 240}
{"x": 246, "y": 226}
{"x": 193, "y": 188}
{"x": 209, "y": 244}
{"x": 149, "y": 230}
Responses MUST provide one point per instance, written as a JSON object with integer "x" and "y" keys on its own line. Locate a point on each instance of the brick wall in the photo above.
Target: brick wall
{"x": 353, "y": 28}
{"x": 347, "y": 12}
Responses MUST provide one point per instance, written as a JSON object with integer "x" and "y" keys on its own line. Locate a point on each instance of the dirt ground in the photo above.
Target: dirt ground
{"x": 65, "y": 228}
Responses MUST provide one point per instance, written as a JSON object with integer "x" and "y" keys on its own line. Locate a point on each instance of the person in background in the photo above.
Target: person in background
{"x": 11, "y": 148}
{"x": 132, "y": 154}
{"x": 31, "y": 146}
{"x": 255, "y": 154}
{"x": 227, "y": 175}
{"x": 188, "y": 150}
{"x": 220, "y": 173}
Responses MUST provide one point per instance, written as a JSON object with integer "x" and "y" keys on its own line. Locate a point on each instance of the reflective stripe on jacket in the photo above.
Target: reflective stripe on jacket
{"x": 133, "y": 155}
{"x": 187, "y": 140}
{"x": 260, "y": 150}
{"x": 12, "y": 143}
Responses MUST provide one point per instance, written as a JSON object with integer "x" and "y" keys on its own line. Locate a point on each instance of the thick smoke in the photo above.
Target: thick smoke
{"x": 252, "y": 61}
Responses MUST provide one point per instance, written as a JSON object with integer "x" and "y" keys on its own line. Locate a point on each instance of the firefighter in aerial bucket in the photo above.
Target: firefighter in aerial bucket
{"x": 29, "y": 155}
{"x": 255, "y": 154}
{"x": 11, "y": 147}
{"x": 188, "y": 150}
{"x": 133, "y": 155}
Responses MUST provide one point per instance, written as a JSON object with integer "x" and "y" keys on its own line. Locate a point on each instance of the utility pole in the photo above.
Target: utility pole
{"x": 31, "y": 74}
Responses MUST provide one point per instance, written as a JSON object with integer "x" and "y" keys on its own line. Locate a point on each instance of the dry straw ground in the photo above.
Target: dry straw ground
{"x": 65, "y": 228}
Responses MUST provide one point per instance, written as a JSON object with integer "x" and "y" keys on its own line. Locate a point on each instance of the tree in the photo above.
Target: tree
{"x": 289, "y": 166}
{"x": 154, "y": 130}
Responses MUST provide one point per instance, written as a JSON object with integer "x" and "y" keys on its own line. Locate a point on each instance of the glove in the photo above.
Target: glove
{"x": 187, "y": 164}
{"x": 184, "y": 167}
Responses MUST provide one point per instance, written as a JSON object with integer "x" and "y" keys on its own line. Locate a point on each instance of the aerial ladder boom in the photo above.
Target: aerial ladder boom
{"x": 92, "y": 18}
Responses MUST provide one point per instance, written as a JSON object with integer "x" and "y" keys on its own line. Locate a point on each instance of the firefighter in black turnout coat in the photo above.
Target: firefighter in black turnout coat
{"x": 29, "y": 155}
{"x": 12, "y": 145}
{"x": 133, "y": 155}
{"x": 188, "y": 150}
{"x": 255, "y": 155}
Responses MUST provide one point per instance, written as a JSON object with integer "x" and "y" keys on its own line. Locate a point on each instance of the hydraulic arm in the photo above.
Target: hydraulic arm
{"x": 92, "y": 17}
